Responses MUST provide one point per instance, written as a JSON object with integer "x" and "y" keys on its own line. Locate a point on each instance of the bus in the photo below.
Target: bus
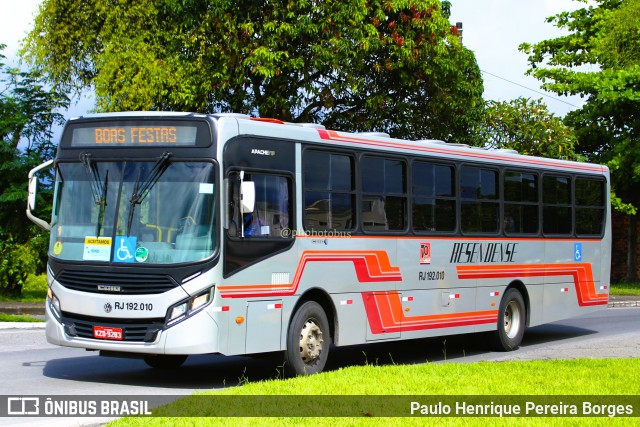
{"x": 175, "y": 234}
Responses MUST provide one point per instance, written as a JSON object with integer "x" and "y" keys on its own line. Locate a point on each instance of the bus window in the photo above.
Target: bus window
{"x": 329, "y": 191}
{"x": 480, "y": 201}
{"x": 434, "y": 204}
{"x": 272, "y": 210}
{"x": 590, "y": 207}
{"x": 520, "y": 203}
{"x": 384, "y": 194}
{"x": 556, "y": 199}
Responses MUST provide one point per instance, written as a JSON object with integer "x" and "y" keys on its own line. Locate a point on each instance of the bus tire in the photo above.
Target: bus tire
{"x": 308, "y": 341}
{"x": 512, "y": 318}
{"x": 165, "y": 361}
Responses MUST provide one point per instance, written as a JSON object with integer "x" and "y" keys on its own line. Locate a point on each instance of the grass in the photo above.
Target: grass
{"x": 376, "y": 391}
{"x": 34, "y": 290}
{"x": 630, "y": 289}
{"x": 18, "y": 318}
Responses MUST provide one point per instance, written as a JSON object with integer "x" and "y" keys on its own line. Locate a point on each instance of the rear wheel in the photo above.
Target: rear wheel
{"x": 308, "y": 340}
{"x": 512, "y": 319}
{"x": 165, "y": 361}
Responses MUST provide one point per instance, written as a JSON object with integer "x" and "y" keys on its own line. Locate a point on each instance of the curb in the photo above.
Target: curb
{"x": 616, "y": 304}
{"x": 616, "y": 301}
{"x": 23, "y": 308}
{"x": 22, "y": 325}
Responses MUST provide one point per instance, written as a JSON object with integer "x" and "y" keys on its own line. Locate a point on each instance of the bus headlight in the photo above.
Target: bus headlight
{"x": 178, "y": 311}
{"x": 188, "y": 307}
{"x": 199, "y": 301}
{"x": 54, "y": 303}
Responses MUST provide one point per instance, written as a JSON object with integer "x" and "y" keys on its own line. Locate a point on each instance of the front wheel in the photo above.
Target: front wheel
{"x": 165, "y": 361}
{"x": 512, "y": 319}
{"x": 308, "y": 340}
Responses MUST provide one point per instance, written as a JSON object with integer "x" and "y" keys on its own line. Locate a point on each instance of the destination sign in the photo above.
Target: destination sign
{"x": 139, "y": 134}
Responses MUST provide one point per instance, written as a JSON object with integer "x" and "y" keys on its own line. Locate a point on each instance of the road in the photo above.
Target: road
{"x": 29, "y": 365}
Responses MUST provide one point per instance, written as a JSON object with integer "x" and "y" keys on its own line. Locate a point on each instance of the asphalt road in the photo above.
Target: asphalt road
{"x": 29, "y": 365}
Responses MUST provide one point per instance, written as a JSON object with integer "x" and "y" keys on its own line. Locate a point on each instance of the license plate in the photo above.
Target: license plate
{"x": 107, "y": 333}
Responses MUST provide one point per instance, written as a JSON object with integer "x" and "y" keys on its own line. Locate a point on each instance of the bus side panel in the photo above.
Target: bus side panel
{"x": 429, "y": 313}
{"x": 535, "y": 291}
{"x": 605, "y": 253}
{"x": 340, "y": 265}
{"x": 264, "y": 325}
{"x": 352, "y": 318}
{"x": 572, "y": 279}
{"x": 433, "y": 300}
{"x": 258, "y": 301}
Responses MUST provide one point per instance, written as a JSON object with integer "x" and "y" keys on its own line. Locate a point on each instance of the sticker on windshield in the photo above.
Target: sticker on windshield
{"x": 97, "y": 249}
{"x": 142, "y": 254}
{"x": 206, "y": 188}
{"x": 57, "y": 248}
{"x": 125, "y": 249}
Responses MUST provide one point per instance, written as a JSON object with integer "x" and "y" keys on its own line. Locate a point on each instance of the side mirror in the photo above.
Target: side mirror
{"x": 31, "y": 198}
{"x": 33, "y": 188}
{"x": 247, "y": 196}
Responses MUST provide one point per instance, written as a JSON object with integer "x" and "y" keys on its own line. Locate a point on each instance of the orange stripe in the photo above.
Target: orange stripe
{"x": 370, "y": 266}
{"x": 581, "y": 272}
{"x": 386, "y": 314}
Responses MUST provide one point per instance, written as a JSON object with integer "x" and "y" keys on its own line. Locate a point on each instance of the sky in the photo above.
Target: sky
{"x": 493, "y": 29}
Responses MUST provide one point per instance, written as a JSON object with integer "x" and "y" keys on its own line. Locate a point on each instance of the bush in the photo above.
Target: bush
{"x": 17, "y": 262}
{"x": 35, "y": 288}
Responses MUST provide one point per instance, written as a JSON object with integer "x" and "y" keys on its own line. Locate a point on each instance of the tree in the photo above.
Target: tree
{"x": 600, "y": 60}
{"x": 529, "y": 127}
{"x": 27, "y": 113}
{"x": 385, "y": 65}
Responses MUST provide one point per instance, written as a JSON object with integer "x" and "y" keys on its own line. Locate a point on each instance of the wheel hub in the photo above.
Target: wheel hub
{"x": 511, "y": 319}
{"x": 310, "y": 342}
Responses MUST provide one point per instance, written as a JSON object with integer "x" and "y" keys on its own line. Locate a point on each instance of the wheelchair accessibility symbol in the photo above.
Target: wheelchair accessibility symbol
{"x": 577, "y": 251}
{"x": 125, "y": 249}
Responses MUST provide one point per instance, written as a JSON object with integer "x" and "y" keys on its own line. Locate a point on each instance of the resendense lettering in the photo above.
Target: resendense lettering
{"x": 467, "y": 253}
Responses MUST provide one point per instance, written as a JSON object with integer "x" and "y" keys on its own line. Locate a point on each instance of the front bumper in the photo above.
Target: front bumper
{"x": 198, "y": 334}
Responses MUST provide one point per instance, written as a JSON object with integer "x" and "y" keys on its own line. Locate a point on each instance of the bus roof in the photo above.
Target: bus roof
{"x": 377, "y": 141}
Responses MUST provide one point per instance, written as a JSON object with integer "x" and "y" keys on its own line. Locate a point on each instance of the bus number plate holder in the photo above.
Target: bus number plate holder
{"x": 107, "y": 333}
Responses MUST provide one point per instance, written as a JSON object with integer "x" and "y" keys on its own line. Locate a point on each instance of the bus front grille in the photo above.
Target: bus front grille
{"x": 133, "y": 330}
{"x": 116, "y": 283}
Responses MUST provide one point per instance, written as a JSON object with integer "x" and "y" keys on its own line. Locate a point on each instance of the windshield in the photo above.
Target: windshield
{"x": 156, "y": 212}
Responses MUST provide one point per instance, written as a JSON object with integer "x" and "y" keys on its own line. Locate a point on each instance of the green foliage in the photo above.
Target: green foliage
{"x": 35, "y": 288}
{"x": 17, "y": 262}
{"x": 27, "y": 113}
{"x": 599, "y": 60}
{"x": 626, "y": 289}
{"x": 529, "y": 127}
{"x": 18, "y": 318}
{"x": 385, "y": 65}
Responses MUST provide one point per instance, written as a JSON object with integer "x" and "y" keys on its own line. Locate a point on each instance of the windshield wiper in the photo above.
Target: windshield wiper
{"x": 92, "y": 170}
{"x": 140, "y": 191}
{"x": 98, "y": 188}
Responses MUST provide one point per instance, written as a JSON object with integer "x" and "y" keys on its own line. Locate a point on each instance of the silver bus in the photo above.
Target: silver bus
{"x": 175, "y": 234}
